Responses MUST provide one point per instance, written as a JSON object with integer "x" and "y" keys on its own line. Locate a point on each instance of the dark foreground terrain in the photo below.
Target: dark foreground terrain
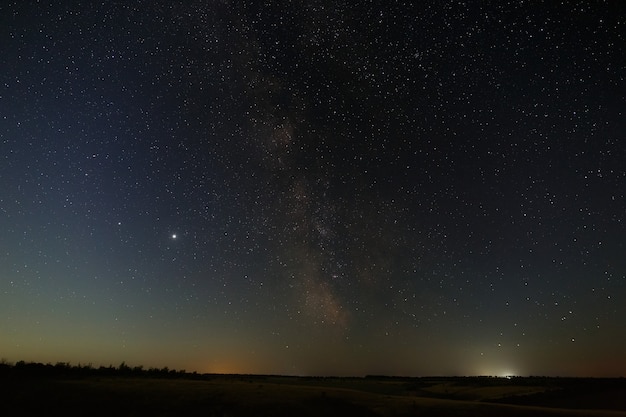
{"x": 35, "y": 389}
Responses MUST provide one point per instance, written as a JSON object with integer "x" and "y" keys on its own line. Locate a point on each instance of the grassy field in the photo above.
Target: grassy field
{"x": 272, "y": 396}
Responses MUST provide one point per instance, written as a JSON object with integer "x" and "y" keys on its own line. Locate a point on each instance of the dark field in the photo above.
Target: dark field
{"x": 45, "y": 391}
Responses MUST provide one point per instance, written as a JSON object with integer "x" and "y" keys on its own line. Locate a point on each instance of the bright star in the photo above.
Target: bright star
{"x": 173, "y": 235}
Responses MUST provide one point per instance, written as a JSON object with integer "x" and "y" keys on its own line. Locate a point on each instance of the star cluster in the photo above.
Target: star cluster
{"x": 315, "y": 187}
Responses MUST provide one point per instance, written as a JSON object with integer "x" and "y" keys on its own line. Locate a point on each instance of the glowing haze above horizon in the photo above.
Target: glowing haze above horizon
{"x": 316, "y": 187}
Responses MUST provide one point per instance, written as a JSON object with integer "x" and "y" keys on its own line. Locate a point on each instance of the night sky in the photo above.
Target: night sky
{"x": 315, "y": 187}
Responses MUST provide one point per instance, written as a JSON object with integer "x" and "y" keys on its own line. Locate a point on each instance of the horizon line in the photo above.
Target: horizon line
{"x": 123, "y": 367}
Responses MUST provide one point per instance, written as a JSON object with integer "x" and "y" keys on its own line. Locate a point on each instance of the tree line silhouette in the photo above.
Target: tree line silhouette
{"x": 65, "y": 369}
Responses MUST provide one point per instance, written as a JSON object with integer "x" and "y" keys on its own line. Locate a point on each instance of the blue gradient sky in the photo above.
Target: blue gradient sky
{"x": 314, "y": 188}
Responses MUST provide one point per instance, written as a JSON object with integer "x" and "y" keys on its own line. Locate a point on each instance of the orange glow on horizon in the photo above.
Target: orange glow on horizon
{"x": 228, "y": 366}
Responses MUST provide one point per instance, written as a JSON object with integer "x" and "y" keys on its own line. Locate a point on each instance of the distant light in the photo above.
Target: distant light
{"x": 174, "y": 236}
{"x": 508, "y": 374}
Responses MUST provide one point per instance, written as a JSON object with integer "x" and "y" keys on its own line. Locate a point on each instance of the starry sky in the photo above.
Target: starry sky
{"x": 315, "y": 187}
